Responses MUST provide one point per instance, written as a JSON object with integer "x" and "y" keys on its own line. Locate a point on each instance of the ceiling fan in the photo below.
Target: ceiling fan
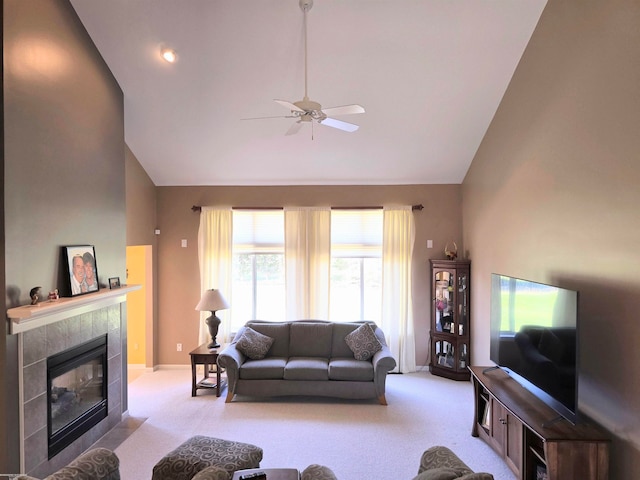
{"x": 308, "y": 111}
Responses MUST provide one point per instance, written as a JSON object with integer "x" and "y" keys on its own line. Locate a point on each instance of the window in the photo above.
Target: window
{"x": 258, "y": 290}
{"x": 356, "y": 265}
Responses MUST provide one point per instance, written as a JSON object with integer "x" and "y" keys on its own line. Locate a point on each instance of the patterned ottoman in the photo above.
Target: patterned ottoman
{"x": 200, "y": 452}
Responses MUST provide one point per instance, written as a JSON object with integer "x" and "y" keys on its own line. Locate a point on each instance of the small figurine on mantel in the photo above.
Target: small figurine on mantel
{"x": 53, "y": 296}
{"x": 35, "y": 295}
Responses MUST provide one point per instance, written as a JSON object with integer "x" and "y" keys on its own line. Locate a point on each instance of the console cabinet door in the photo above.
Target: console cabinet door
{"x": 498, "y": 430}
{"x": 513, "y": 444}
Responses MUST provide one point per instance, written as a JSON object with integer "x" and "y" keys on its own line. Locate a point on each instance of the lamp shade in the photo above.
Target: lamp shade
{"x": 212, "y": 300}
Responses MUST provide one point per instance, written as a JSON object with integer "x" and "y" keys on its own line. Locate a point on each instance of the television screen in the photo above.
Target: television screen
{"x": 534, "y": 339}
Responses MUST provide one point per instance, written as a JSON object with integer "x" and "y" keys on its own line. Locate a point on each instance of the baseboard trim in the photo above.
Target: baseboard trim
{"x": 173, "y": 367}
{"x": 140, "y": 366}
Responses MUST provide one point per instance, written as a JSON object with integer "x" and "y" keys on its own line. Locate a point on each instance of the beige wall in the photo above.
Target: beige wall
{"x": 63, "y": 166}
{"x": 179, "y": 287}
{"x": 141, "y": 202}
{"x": 141, "y": 225}
{"x": 553, "y": 196}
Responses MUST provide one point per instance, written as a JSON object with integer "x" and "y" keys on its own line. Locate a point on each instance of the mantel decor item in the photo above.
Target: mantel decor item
{"x": 451, "y": 254}
{"x": 34, "y": 294}
{"x": 82, "y": 269}
{"x": 114, "y": 282}
{"x": 212, "y": 301}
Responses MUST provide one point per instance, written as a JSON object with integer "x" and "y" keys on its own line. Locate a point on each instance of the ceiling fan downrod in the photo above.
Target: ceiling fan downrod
{"x": 305, "y": 5}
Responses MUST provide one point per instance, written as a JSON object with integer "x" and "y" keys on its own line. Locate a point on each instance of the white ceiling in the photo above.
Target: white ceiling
{"x": 430, "y": 74}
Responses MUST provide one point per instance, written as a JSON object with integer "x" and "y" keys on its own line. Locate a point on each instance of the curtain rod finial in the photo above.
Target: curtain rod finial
{"x": 196, "y": 208}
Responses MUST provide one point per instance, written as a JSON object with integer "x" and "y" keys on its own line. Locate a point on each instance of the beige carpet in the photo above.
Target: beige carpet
{"x": 356, "y": 439}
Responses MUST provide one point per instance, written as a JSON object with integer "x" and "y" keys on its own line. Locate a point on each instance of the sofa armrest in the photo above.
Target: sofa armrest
{"x": 317, "y": 472}
{"x": 96, "y": 464}
{"x": 230, "y": 359}
{"x": 439, "y": 456}
{"x": 383, "y": 362}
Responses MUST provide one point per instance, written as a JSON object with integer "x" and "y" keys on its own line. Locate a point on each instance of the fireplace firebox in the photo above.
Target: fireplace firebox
{"x": 77, "y": 392}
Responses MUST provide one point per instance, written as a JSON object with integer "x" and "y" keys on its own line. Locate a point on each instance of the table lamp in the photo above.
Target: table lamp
{"x": 212, "y": 300}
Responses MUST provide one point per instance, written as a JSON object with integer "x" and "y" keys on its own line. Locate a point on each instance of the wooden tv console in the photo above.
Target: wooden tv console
{"x": 528, "y": 435}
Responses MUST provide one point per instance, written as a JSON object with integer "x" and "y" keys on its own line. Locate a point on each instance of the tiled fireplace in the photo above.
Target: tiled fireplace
{"x": 43, "y": 336}
{"x": 77, "y": 381}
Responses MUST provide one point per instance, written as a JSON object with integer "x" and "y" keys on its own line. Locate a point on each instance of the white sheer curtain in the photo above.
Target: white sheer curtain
{"x": 397, "y": 313}
{"x": 307, "y": 262}
{"x": 215, "y": 247}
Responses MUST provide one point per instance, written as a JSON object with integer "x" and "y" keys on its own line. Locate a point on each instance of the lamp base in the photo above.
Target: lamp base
{"x": 213, "y": 323}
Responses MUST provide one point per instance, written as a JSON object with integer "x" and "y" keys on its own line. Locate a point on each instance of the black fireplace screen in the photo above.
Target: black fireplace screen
{"x": 77, "y": 393}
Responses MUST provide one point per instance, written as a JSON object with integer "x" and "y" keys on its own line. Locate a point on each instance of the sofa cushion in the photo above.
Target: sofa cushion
{"x": 350, "y": 369}
{"x": 339, "y": 348}
{"x": 363, "y": 342}
{"x": 254, "y": 345}
{"x": 270, "y": 368}
{"x": 310, "y": 339}
{"x": 306, "y": 368}
{"x": 279, "y": 331}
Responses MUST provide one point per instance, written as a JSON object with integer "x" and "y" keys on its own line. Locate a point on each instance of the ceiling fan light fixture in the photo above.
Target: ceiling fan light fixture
{"x": 169, "y": 55}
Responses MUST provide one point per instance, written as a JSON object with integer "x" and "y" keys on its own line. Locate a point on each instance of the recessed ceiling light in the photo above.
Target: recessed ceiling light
{"x": 169, "y": 55}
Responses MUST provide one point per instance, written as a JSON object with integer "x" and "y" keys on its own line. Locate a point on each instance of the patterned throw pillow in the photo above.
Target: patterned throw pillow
{"x": 254, "y": 344}
{"x": 363, "y": 342}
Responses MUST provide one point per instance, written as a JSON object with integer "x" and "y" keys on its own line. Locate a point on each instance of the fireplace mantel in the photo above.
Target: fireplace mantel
{"x": 28, "y": 317}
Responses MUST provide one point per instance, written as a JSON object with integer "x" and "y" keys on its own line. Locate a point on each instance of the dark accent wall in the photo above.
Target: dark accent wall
{"x": 64, "y": 171}
{"x": 552, "y": 195}
{"x": 4, "y": 425}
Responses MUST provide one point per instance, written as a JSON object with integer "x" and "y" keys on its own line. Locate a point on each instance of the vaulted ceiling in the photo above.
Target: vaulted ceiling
{"x": 429, "y": 73}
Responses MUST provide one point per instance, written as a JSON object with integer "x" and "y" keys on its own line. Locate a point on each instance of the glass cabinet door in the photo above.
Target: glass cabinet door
{"x": 444, "y": 281}
{"x": 463, "y": 303}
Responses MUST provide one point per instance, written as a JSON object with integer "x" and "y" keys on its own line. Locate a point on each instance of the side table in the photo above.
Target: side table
{"x": 207, "y": 357}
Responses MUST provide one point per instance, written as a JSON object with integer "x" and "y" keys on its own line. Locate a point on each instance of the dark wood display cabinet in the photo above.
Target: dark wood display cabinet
{"x": 530, "y": 437}
{"x": 450, "y": 318}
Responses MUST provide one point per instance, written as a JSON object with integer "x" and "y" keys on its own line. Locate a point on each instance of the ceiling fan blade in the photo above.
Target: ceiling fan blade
{"x": 261, "y": 118}
{"x": 289, "y": 105}
{"x": 344, "y": 110}
{"x": 339, "y": 124}
{"x": 295, "y": 128}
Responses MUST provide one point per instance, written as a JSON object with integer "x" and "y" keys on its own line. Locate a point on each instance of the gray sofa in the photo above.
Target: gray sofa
{"x": 308, "y": 357}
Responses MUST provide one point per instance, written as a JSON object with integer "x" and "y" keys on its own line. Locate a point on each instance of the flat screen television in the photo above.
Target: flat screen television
{"x": 534, "y": 338}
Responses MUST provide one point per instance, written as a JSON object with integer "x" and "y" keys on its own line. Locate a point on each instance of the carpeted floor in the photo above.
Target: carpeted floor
{"x": 356, "y": 439}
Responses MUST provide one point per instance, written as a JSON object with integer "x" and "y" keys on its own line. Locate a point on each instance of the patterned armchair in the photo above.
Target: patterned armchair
{"x": 440, "y": 463}
{"x": 96, "y": 464}
{"x": 437, "y": 463}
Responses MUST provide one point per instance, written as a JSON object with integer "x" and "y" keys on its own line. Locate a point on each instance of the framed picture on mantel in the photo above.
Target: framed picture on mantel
{"x": 82, "y": 273}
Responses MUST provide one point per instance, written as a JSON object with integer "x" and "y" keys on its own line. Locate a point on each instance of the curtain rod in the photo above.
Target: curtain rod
{"x": 198, "y": 208}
